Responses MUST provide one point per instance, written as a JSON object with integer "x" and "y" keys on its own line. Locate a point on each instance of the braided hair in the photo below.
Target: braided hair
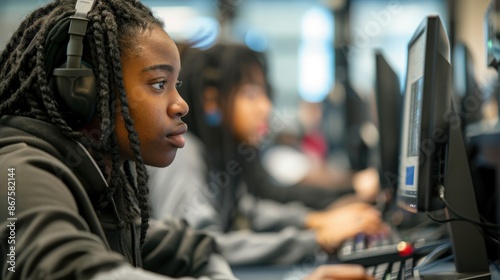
{"x": 25, "y": 90}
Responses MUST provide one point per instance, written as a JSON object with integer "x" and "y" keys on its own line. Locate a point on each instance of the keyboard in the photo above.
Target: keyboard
{"x": 370, "y": 250}
{"x": 398, "y": 270}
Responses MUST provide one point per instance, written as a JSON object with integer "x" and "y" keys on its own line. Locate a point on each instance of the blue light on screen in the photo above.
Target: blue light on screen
{"x": 410, "y": 174}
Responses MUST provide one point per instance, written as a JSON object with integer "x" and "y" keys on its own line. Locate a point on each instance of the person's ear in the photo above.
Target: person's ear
{"x": 213, "y": 115}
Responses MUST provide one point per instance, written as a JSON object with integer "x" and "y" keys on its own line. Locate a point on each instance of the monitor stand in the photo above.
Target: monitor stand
{"x": 469, "y": 249}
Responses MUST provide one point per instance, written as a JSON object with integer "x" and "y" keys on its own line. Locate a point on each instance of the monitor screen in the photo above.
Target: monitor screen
{"x": 491, "y": 34}
{"x": 412, "y": 119}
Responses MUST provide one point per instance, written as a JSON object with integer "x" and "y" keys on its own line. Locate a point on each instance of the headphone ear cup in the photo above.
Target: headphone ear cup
{"x": 78, "y": 93}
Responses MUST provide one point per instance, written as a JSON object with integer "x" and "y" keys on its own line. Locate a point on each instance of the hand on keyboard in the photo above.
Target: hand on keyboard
{"x": 366, "y": 183}
{"x": 339, "y": 271}
{"x": 335, "y": 225}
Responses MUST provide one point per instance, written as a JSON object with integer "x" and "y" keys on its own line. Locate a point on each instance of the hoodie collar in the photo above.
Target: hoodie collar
{"x": 47, "y": 137}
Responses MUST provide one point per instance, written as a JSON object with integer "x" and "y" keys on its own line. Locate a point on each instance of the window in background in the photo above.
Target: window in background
{"x": 192, "y": 21}
{"x": 316, "y": 71}
{"x": 297, "y": 37}
{"x": 387, "y": 25}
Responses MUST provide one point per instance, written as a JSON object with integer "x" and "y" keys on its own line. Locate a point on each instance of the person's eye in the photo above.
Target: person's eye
{"x": 253, "y": 92}
{"x": 178, "y": 84}
{"x": 159, "y": 85}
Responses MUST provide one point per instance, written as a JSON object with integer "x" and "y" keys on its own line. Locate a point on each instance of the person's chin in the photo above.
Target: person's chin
{"x": 165, "y": 160}
{"x": 255, "y": 140}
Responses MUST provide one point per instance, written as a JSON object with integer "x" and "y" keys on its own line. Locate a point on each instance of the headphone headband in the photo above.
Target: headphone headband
{"x": 77, "y": 30}
{"x": 83, "y": 7}
{"x": 74, "y": 81}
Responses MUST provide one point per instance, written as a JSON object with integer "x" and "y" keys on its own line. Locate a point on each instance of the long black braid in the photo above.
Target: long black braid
{"x": 25, "y": 90}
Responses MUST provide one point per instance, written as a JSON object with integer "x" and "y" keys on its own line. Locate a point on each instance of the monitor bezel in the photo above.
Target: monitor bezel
{"x": 434, "y": 126}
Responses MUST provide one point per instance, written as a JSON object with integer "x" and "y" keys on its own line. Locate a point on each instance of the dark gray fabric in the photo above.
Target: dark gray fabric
{"x": 57, "y": 232}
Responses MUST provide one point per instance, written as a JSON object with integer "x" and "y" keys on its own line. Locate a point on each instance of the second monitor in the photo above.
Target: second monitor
{"x": 434, "y": 172}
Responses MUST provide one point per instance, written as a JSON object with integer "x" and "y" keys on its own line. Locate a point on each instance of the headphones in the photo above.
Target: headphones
{"x": 74, "y": 81}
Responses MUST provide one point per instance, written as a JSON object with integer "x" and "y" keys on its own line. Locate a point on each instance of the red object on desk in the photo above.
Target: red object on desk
{"x": 405, "y": 249}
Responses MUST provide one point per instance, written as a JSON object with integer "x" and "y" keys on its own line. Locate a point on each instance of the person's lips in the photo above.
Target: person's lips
{"x": 176, "y": 138}
{"x": 263, "y": 130}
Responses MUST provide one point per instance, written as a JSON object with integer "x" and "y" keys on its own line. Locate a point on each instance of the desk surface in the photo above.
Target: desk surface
{"x": 284, "y": 272}
{"x": 298, "y": 272}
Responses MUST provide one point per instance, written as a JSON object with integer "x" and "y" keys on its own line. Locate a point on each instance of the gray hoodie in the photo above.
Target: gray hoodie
{"x": 51, "y": 230}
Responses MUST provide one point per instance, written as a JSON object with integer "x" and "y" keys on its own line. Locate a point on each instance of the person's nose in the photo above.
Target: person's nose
{"x": 178, "y": 107}
{"x": 265, "y": 106}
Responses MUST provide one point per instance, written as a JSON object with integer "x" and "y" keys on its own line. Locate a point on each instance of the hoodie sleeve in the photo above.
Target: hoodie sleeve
{"x": 173, "y": 248}
{"x": 126, "y": 272}
{"x": 289, "y": 244}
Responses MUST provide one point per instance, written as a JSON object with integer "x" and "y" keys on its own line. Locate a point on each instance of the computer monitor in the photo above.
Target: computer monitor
{"x": 434, "y": 167}
{"x": 355, "y": 110}
{"x": 427, "y": 98}
{"x": 492, "y": 34}
{"x": 388, "y": 100}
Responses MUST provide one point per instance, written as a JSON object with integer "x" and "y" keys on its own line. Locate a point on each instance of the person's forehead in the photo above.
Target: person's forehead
{"x": 157, "y": 46}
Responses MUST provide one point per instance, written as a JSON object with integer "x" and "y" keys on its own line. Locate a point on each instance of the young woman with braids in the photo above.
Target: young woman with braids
{"x": 210, "y": 181}
{"x": 75, "y": 198}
